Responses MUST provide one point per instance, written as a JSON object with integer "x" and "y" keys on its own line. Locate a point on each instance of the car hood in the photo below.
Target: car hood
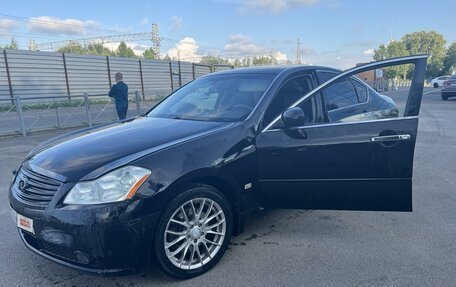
{"x": 89, "y": 153}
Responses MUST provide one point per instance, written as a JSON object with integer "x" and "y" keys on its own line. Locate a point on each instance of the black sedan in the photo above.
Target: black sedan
{"x": 175, "y": 184}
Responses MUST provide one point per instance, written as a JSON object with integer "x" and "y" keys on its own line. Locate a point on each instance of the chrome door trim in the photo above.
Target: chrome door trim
{"x": 389, "y": 138}
{"x": 342, "y": 123}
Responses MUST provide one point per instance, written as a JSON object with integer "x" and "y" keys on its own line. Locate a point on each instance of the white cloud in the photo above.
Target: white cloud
{"x": 368, "y": 52}
{"x": 138, "y": 49}
{"x": 55, "y": 26}
{"x": 185, "y": 50}
{"x": 273, "y": 6}
{"x": 144, "y": 22}
{"x": 240, "y": 44}
{"x": 176, "y": 22}
{"x": 280, "y": 57}
{"x": 7, "y": 24}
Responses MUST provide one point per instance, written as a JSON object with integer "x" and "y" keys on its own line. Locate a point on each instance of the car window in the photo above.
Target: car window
{"x": 289, "y": 93}
{"x": 339, "y": 95}
{"x": 324, "y": 76}
{"x": 215, "y": 98}
{"x": 361, "y": 90}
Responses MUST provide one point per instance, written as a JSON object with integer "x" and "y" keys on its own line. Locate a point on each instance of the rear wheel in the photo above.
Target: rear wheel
{"x": 444, "y": 97}
{"x": 193, "y": 232}
{"x": 436, "y": 85}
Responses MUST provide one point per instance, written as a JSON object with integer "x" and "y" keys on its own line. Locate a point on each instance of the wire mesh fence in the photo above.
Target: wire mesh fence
{"x": 24, "y": 116}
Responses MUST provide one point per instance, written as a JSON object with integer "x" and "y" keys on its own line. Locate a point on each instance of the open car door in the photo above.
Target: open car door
{"x": 362, "y": 162}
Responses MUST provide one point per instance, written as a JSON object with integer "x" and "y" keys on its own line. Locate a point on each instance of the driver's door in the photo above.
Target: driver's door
{"x": 354, "y": 165}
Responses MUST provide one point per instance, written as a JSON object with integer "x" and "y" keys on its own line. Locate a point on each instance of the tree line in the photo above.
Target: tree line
{"x": 441, "y": 60}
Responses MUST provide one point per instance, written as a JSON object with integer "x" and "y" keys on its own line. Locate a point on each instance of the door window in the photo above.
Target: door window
{"x": 290, "y": 92}
{"x": 339, "y": 95}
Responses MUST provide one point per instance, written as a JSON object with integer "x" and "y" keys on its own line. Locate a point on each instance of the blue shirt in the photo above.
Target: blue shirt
{"x": 120, "y": 93}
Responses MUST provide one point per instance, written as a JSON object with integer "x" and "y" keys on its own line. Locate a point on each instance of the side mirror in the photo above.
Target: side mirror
{"x": 293, "y": 117}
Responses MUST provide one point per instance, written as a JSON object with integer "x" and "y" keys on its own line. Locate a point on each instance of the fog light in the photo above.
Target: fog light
{"x": 82, "y": 257}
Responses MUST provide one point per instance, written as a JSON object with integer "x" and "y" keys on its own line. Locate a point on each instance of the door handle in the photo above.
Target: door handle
{"x": 391, "y": 138}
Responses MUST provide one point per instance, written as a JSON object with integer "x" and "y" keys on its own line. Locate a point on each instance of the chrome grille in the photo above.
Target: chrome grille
{"x": 35, "y": 189}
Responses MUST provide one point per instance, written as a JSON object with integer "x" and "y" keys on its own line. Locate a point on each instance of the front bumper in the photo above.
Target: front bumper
{"x": 108, "y": 238}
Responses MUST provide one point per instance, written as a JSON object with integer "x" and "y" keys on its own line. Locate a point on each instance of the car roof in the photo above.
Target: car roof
{"x": 277, "y": 69}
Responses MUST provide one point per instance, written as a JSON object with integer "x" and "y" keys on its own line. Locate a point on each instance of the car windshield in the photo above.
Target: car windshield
{"x": 229, "y": 98}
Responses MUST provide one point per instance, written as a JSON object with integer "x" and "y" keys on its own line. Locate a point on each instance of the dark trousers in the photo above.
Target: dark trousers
{"x": 122, "y": 110}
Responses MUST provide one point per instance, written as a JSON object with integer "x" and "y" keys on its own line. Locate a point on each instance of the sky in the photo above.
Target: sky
{"x": 332, "y": 32}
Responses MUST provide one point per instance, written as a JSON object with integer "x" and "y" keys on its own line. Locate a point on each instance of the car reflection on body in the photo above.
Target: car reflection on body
{"x": 174, "y": 184}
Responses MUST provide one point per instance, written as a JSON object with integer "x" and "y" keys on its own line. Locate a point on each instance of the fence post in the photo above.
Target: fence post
{"x": 8, "y": 75}
{"x": 193, "y": 70}
{"x": 66, "y": 76}
{"x": 86, "y": 105}
{"x": 142, "y": 81}
{"x": 171, "y": 75}
{"x": 109, "y": 71}
{"x": 21, "y": 116}
{"x": 180, "y": 73}
{"x": 57, "y": 114}
{"x": 138, "y": 100}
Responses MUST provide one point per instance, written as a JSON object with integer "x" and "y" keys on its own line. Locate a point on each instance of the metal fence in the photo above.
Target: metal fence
{"x": 32, "y": 74}
{"x": 383, "y": 85}
{"x": 22, "y": 116}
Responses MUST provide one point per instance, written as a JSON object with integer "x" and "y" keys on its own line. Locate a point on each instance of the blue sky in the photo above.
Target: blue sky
{"x": 332, "y": 32}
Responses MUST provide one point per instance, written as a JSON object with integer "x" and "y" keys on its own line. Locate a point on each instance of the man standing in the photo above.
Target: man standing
{"x": 120, "y": 94}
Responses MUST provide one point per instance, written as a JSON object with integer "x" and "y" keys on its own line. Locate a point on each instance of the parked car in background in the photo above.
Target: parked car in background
{"x": 438, "y": 82}
{"x": 177, "y": 182}
{"x": 449, "y": 88}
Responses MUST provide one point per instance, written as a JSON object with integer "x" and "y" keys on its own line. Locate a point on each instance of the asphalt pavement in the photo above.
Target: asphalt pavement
{"x": 297, "y": 247}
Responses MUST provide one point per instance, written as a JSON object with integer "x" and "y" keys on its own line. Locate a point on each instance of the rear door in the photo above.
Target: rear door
{"x": 361, "y": 164}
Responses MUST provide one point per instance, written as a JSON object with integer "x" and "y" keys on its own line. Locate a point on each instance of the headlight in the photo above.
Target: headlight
{"x": 117, "y": 185}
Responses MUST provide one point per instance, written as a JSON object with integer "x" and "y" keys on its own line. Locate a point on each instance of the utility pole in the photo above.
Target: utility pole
{"x": 156, "y": 40}
{"x": 298, "y": 52}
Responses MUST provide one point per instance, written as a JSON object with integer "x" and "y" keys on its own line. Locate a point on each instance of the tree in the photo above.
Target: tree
{"x": 149, "y": 54}
{"x": 213, "y": 60}
{"x": 12, "y": 45}
{"x": 99, "y": 50}
{"x": 264, "y": 60}
{"x": 392, "y": 50}
{"x": 380, "y": 53}
{"x": 431, "y": 43}
{"x": 450, "y": 60}
{"x": 72, "y": 47}
{"x": 124, "y": 51}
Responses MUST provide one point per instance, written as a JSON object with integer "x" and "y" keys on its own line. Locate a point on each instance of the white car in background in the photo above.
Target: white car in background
{"x": 438, "y": 82}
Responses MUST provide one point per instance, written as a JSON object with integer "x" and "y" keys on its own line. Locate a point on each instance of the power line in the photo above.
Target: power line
{"x": 31, "y": 19}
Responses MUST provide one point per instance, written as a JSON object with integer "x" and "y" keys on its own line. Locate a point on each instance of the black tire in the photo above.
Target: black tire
{"x": 436, "y": 85}
{"x": 194, "y": 192}
{"x": 444, "y": 97}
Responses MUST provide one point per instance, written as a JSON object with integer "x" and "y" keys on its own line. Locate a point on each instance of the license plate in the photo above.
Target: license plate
{"x": 25, "y": 223}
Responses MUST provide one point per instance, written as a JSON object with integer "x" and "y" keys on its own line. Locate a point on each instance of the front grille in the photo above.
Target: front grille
{"x": 49, "y": 248}
{"x": 35, "y": 189}
{"x": 59, "y": 251}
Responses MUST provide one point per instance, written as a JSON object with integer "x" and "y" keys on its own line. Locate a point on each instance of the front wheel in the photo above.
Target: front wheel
{"x": 436, "y": 85}
{"x": 444, "y": 97}
{"x": 193, "y": 232}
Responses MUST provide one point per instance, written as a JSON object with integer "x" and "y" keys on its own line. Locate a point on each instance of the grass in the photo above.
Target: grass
{"x": 64, "y": 103}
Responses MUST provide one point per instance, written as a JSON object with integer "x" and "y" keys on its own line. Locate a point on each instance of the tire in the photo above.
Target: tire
{"x": 436, "y": 85}
{"x": 193, "y": 258}
{"x": 445, "y": 98}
